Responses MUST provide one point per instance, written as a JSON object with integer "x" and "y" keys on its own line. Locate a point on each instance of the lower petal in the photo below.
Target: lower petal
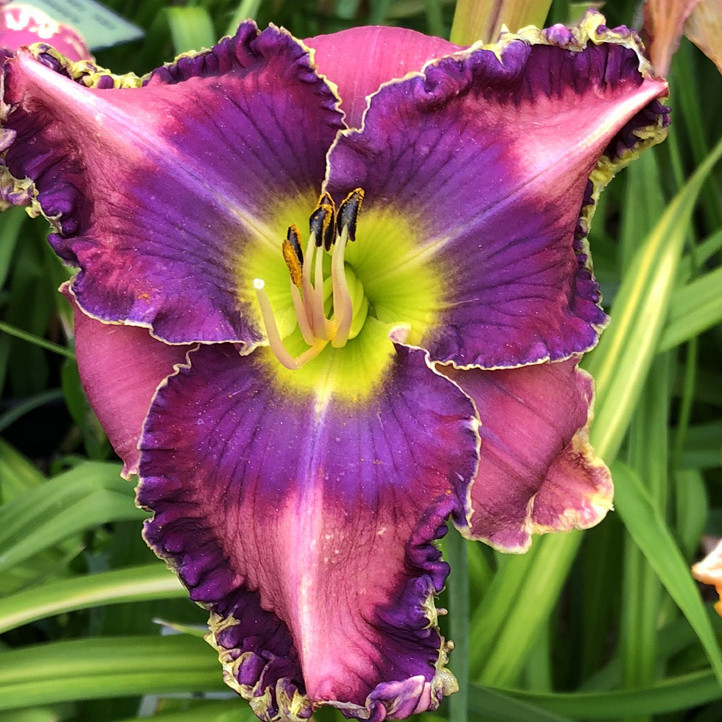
{"x": 537, "y": 472}
{"x": 306, "y": 525}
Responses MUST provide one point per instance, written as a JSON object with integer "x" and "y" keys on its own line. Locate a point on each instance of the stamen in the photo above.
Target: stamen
{"x": 342, "y": 306}
{"x": 306, "y": 331}
{"x": 275, "y": 342}
{"x": 293, "y": 256}
{"x": 348, "y": 213}
{"x": 322, "y": 221}
{"x": 307, "y": 286}
{"x": 319, "y": 319}
{"x": 330, "y": 232}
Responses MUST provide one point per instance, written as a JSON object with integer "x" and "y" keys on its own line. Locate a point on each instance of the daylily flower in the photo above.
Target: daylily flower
{"x": 338, "y": 312}
{"x": 709, "y": 571}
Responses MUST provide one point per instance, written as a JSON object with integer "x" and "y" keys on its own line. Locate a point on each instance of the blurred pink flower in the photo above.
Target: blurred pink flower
{"x": 22, "y": 25}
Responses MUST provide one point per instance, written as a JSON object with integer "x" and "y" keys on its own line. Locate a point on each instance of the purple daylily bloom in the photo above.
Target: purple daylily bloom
{"x": 313, "y": 408}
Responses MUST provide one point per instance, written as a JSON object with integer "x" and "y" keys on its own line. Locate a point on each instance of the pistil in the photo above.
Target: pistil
{"x": 330, "y": 232}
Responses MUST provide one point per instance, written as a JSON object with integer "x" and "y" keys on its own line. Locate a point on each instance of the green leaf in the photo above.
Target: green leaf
{"x": 87, "y": 496}
{"x": 12, "y": 222}
{"x": 692, "y": 510}
{"x": 702, "y": 253}
{"x": 521, "y": 607}
{"x": 490, "y": 614}
{"x": 454, "y": 547}
{"x": 17, "y": 474}
{"x": 648, "y": 452}
{"x": 36, "y": 340}
{"x": 191, "y": 28}
{"x": 702, "y": 446}
{"x": 622, "y": 359}
{"x": 678, "y": 693}
{"x": 106, "y": 667}
{"x": 34, "y": 402}
{"x": 245, "y": 10}
{"x": 502, "y": 707}
{"x": 648, "y": 529}
{"x": 693, "y": 309}
{"x": 37, "y": 714}
{"x": 232, "y": 710}
{"x": 150, "y": 581}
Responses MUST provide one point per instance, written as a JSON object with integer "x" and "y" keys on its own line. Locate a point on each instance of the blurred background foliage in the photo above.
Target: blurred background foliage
{"x": 604, "y": 625}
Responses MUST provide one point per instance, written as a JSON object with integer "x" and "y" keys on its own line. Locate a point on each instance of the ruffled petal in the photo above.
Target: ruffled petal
{"x": 359, "y": 60}
{"x": 537, "y": 471}
{"x": 484, "y": 159}
{"x": 163, "y": 195}
{"x": 24, "y": 25}
{"x": 120, "y": 368}
{"x": 306, "y": 523}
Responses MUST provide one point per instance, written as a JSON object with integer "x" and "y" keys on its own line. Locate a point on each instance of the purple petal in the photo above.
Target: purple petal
{"x": 360, "y": 59}
{"x": 537, "y": 472}
{"x": 306, "y": 525}
{"x": 161, "y": 194}
{"x": 120, "y": 368}
{"x": 487, "y": 159}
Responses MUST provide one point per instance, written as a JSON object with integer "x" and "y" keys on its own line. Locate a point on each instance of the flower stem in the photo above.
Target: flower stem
{"x": 482, "y": 19}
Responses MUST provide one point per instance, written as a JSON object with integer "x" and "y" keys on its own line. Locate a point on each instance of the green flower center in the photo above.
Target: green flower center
{"x": 329, "y": 309}
{"x": 313, "y": 288}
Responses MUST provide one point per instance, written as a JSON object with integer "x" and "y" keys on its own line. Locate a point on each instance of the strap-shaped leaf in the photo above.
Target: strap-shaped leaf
{"x": 648, "y": 529}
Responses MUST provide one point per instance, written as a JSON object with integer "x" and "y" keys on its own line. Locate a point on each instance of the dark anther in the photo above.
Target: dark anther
{"x": 348, "y": 213}
{"x": 322, "y": 222}
{"x": 293, "y": 236}
{"x": 293, "y": 256}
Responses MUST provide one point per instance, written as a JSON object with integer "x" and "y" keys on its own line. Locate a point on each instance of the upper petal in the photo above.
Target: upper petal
{"x": 160, "y": 194}
{"x": 306, "y": 525}
{"x": 487, "y": 156}
{"x": 537, "y": 471}
{"x": 359, "y": 60}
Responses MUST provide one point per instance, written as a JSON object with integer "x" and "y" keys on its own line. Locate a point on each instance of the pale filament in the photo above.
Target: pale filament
{"x": 342, "y": 306}
{"x": 275, "y": 341}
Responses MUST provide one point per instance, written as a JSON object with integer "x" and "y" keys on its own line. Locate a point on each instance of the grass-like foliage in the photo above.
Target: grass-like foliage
{"x": 602, "y": 625}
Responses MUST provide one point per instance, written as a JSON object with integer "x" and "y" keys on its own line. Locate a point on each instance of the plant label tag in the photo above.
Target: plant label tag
{"x": 99, "y": 26}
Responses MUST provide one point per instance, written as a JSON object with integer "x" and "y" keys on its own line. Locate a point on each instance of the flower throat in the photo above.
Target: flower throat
{"x": 330, "y": 231}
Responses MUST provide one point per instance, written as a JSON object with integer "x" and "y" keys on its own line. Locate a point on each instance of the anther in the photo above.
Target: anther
{"x": 293, "y": 256}
{"x": 348, "y": 213}
{"x": 321, "y": 222}
{"x": 293, "y": 236}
